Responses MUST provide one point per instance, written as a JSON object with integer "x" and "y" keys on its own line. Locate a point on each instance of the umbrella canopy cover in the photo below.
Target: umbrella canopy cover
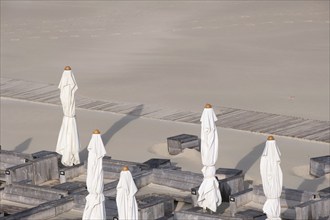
{"x": 125, "y": 198}
{"x": 94, "y": 208}
{"x": 272, "y": 179}
{"x": 209, "y": 193}
{"x": 68, "y": 144}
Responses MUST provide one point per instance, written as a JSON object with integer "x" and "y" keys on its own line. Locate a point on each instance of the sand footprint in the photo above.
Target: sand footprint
{"x": 74, "y": 36}
{"x": 308, "y": 21}
{"x": 54, "y": 38}
{"x": 288, "y": 22}
{"x": 15, "y": 39}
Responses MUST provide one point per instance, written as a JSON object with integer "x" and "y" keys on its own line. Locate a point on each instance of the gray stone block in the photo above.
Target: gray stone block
{"x": 178, "y": 179}
{"x": 196, "y": 213}
{"x": 239, "y": 199}
{"x": 12, "y": 158}
{"x": 319, "y": 166}
{"x": 45, "y": 168}
{"x": 45, "y": 210}
{"x": 314, "y": 209}
{"x": 177, "y": 144}
{"x": 33, "y": 191}
{"x": 154, "y": 206}
{"x": 231, "y": 185}
{"x": 67, "y": 173}
{"x": 19, "y": 173}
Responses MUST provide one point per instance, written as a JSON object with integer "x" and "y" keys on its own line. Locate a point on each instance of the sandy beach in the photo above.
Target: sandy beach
{"x": 270, "y": 56}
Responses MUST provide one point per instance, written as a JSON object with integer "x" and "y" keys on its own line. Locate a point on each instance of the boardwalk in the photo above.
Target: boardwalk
{"x": 239, "y": 119}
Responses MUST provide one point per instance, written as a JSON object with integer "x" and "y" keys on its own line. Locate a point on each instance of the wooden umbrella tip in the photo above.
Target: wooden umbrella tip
{"x": 125, "y": 168}
{"x": 270, "y": 138}
{"x": 208, "y": 105}
{"x": 67, "y": 68}
{"x": 96, "y": 131}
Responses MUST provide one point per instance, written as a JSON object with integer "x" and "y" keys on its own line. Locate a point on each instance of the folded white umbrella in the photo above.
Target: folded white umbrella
{"x": 209, "y": 193}
{"x": 125, "y": 198}
{"x": 95, "y": 208}
{"x": 272, "y": 179}
{"x": 68, "y": 144}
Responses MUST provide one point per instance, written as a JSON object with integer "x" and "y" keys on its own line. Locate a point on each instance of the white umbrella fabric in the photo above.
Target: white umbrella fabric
{"x": 125, "y": 198}
{"x": 95, "y": 208}
{"x": 209, "y": 193}
{"x": 68, "y": 144}
{"x": 272, "y": 179}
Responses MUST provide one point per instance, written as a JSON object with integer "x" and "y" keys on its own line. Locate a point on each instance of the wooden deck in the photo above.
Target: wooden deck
{"x": 239, "y": 119}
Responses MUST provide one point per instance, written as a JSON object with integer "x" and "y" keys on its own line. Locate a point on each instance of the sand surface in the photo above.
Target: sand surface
{"x": 270, "y": 56}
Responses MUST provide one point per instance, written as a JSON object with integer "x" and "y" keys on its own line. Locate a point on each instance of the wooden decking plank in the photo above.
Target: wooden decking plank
{"x": 222, "y": 110}
{"x": 82, "y": 101}
{"x": 277, "y": 122}
{"x": 191, "y": 118}
{"x": 252, "y": 121}
{"x": 92, "y": 104}
{"x": 295, "y": 127}
{"x": 324, "y": 138}
{"x": 106, "y": 106}
{"x": 43, "y": 96}
{"x": 223, "y": 117}
{"x": 162, "y": 113}
{"x": 20, "y": 88}
{"x": 100, "y": 105}
{"x": 286, "y": 125}
{"x": 269, "y": 121}
{"x": 227, "y": 117}
{"x": 317, "y": 134}
{"x": 11, "y": 84}
{"x": 312, "y": 129}
{"x": 121, "y": 107}
{"x": 27, "y": 92}
{"x": 176, "y": 116}
{"x": 141, "y": 110}
{"x": 239, "y": 119}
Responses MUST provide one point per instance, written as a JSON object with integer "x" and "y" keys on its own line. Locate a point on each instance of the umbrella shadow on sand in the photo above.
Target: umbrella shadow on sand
{"x": 117, "y": 126}
{"x": 23, "y": 146}
{"x": 249, "y": 159}
{"x": 311, "y": 184}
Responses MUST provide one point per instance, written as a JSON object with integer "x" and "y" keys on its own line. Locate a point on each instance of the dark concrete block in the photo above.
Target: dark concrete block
{"x": 155, "y": 206}
{"x": 158, "y": 163}
{"x": 177, "y": 144}
{"x": 40, "y": 154}
{"x": 319, "y": 166}
{"x": 324, "y": 192}
{"x": 251, "y": 214}
{"x": 71, "y": 187}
